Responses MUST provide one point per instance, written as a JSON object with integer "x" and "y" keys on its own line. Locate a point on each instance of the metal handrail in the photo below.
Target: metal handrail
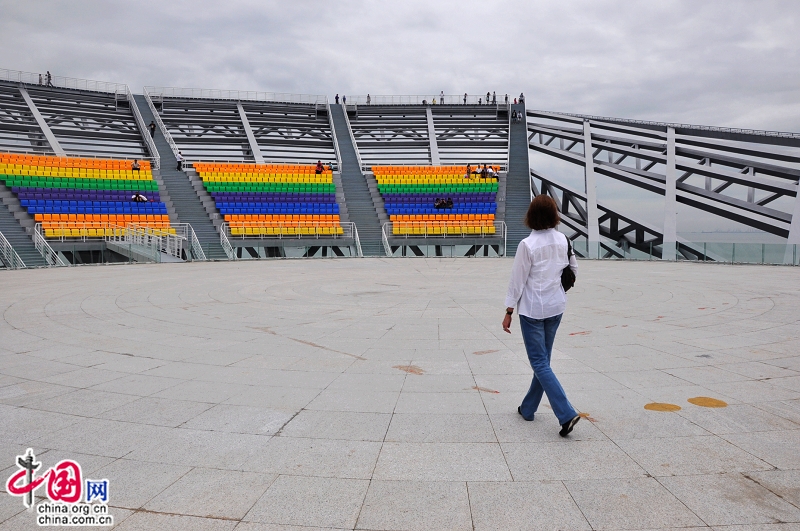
{"x": 160, "y": 122}
{"x": 385, "y": 239}
{"x": 349, "y": 231}
{"x": 226, "y": 243}
{"x": 450, "y": 99}
{"x": 145, "y": 132}
{"x": 501, "y": 231}
{"x": 50, "y": 256}
{"x": 191, "y": 160}
{"x": 499, "y": 226}
{"x": 353, "y": 139}
{"x": 10, "y": 258}
{"x": 756, "y": 132}
{"x": 359, "y": 252}
{"x": 31, "y": 78}
{"x": 236, "y": 95}
{"x": 333, "y": 137}
{"x": 196, "y": 250}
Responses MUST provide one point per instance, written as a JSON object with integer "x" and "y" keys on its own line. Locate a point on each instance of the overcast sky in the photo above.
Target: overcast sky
{"x": 727, "y": 62}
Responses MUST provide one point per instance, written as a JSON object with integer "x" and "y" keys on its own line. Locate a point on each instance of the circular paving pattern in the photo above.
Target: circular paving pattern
{"x": 382, "y": 394}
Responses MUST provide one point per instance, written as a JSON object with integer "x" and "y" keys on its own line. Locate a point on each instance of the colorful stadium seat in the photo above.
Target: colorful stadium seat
{"x": 273, "y": 200}
{"x": 84, "y": 198}
{"x": 409, "y": 193}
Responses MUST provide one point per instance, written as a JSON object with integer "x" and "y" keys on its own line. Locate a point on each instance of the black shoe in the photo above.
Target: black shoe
{"x": 567, "y": 428}
{"x": 519, "y": 410}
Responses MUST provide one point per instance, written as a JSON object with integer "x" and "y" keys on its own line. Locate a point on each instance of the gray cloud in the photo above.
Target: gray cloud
{"x": 718, "y": 62}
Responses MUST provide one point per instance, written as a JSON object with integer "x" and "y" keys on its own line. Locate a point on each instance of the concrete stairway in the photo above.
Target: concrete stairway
{"x": 12, "y": 228}
{"x": 359, "y": 200}
{"x": 518, "y": 195}
{"x": 188, "y": 206}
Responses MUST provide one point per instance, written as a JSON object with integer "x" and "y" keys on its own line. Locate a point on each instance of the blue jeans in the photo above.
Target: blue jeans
{"x": 539, "y": 335}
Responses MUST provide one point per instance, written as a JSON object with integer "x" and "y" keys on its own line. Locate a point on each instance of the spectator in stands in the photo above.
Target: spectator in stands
{"x": 469, "y": 172}
{"x": 320, "y": 168}
{"x": 135, "y": 166}
{"x": 179, "y": 158}
{"x": 369, "y": 100}
{"x": 465, "y": 98}
{"x": 448, "y": 203}
{"x": 138, "y": 198}
{"x": 490, "y": 172}
{"x": 535, "y": 290}
{"x": 484, "y": 171}
{"x": 152, "y": 128}
{"x": 337, "y": 99}
{"x": 437, "y": 203}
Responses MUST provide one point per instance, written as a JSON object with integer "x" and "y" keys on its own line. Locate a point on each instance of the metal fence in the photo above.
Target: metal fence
{"x": 75, "y": 83}
{"x": 8, "y": 256}
{"x": 235, "y": 95}
{"x": 447, "y": 99}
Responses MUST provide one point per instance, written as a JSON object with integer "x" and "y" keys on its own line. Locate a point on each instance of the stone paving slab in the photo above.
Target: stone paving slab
{"x": 379, "y": 394}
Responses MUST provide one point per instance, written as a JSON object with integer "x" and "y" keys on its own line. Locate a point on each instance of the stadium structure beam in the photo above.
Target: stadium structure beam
{"x": 732, "y": 174}
{"x": 670, "y": 200}
{"x": 250, "y": 136}
{"x": 48, "y": 134}
{"x": 435, "y": 160}
{"x": 590, "y": 185}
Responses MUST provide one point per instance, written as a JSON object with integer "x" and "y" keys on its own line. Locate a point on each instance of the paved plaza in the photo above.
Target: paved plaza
{"x": 381, "y": 394}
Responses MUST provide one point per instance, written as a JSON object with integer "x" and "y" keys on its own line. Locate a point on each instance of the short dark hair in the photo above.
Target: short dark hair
{"x": 542, "y": 214}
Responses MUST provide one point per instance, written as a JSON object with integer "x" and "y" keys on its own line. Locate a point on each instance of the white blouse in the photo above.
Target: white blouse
{"x": 535, "y": 285}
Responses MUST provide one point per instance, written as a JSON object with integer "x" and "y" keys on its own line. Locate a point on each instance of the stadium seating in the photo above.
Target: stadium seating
{"x": 83, "y": 197}
{"x": 409, "y": 193}
{"x": 273, "y": 200}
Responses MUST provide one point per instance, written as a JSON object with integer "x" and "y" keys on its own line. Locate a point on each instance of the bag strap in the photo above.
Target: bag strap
{"x": 569, "y": 247}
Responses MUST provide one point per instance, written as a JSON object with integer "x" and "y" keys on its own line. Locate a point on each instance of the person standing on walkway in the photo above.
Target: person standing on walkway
{"x": 535, "y": 290}
{"x": 152, "y": 128}
{"x": 494, "y": 98}
{"x": 465, "y": 98}
{"x": 337, "y": 99}
{"x": 344, "y": 99}
{"x": 487, "y": 98}
{"x": 369, "y": 100}
{"x": 179, "y": 158}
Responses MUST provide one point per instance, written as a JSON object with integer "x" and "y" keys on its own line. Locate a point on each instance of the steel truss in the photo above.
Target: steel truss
{"x": 625, "y": 232}
{"x": 734, "y": 174}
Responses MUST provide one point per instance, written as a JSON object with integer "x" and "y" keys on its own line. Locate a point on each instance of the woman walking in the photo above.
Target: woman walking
{"x": 535, "y": 290}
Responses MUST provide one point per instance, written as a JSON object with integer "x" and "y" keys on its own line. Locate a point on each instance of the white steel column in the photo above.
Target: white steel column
{"x": 435, "y": 160}
{"x": 250, "y": 136}
{"x": 668, "y": 248}
{"x": 592, "y": 225}
{"x": 794, "y": 231}
{"x": 48, "y": 134}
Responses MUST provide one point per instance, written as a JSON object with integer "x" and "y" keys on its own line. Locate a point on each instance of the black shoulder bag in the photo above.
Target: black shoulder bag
{"x": 567, "y": 276}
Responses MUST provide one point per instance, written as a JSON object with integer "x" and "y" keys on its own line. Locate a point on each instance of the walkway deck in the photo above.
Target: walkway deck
{"x": 381, "y": 394}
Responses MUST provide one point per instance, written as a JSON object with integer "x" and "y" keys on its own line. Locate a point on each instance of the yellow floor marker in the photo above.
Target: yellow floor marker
{"x": 705, "y": 401}
{"x": 661, "y": 406}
